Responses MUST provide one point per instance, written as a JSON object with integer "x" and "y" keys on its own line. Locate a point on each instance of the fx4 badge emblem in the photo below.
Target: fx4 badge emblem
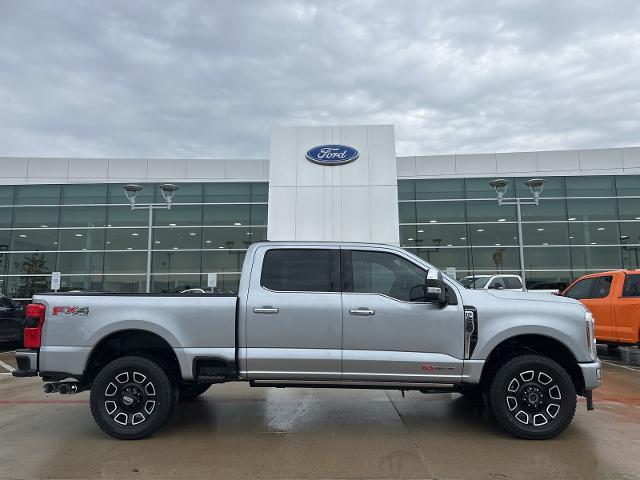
{"x": 59, "y": 310}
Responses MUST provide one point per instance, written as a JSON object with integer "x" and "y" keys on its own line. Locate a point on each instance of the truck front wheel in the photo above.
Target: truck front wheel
{"x": 132, "y": 397}
{"x": 532, "y": 397}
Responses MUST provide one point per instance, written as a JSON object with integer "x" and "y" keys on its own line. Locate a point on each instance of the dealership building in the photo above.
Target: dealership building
{"x": 70, "y": 215}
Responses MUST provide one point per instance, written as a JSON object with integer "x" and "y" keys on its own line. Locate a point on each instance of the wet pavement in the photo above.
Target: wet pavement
{"x": 234, "y": 431}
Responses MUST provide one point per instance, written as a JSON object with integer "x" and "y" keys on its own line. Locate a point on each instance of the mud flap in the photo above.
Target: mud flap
{"x": 588, "y": 394}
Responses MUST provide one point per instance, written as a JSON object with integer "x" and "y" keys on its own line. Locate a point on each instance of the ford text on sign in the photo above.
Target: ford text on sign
{"x": 332, "y": 154}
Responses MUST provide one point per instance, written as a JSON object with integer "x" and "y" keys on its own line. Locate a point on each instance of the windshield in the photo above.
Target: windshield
{"x": 474, "y": 282}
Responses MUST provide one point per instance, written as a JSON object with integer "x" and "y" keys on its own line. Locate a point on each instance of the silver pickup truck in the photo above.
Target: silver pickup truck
{"x": 317, "y": 315}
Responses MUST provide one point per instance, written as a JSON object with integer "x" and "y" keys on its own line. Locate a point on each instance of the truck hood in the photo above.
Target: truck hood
{"x": 513, "y": 295}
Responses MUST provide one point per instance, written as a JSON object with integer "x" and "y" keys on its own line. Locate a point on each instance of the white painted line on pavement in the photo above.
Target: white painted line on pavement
{"x": 6, "y": 366}
{"x": 621, "y": 366}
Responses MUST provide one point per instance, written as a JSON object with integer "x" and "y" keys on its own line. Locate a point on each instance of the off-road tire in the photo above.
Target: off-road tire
{"x": 191, "y": 390}
{"x": 532, "y": 397}
{"x": 132, "y": 397}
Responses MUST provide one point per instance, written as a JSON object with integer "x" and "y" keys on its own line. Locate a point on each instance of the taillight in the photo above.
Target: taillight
{"x": 33, "y": 325}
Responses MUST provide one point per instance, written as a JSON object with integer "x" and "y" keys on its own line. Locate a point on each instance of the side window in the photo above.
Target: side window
{"x": 387, "y": 274}
{"x": 497, "y": 283}
{"x": 300, "y": 270}
{"x": 603, "y": 286}
{"x": 512, "y": 282}
{"x": 581, "y": 289}
{"x": 631, "y": 286}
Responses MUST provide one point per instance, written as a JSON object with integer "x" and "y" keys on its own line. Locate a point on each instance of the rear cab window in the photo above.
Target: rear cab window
{"x": 512, "y": 282}
{"x": 301, "y": 270}
{"x": 631, "y": 286}
{"x": 602, "y": 287}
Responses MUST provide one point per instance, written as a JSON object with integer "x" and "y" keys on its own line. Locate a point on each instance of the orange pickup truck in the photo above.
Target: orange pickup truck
{"x": 614, "y": 301}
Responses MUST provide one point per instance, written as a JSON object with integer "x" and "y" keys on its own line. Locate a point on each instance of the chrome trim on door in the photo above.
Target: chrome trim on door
{"x": 362, "y": 311}
{"x": 266, "y": 310}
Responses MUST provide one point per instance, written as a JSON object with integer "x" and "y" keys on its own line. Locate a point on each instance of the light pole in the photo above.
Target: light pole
{"x": 624, "y": 239}
{"x": 131, "y": 190}
{"x": 500, "y": 185}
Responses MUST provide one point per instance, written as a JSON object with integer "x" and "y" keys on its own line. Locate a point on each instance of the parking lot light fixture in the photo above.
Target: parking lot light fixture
{"x": 500, "y": 185}
{"x": 536, "y": 185}
{"x": 168, "y": 190}
{"x": 131, "y": 190}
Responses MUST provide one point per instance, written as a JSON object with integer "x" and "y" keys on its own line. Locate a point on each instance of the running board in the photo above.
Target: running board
{"x": 423, "y": 387}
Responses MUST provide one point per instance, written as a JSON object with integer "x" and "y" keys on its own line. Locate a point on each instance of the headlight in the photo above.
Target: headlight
{"x": 590, "y": 335}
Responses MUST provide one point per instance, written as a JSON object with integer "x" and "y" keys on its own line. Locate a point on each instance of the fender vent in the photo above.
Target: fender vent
{"x": 470, "y": 330}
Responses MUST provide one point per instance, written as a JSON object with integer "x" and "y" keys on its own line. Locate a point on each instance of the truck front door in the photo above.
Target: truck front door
{"x": 389, "y": 332}
{"x": 593, "y": 292}
{"x": 294, "y": 314}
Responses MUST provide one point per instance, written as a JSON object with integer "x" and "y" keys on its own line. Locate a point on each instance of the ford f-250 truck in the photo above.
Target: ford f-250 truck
{"x": 317, "y": 315}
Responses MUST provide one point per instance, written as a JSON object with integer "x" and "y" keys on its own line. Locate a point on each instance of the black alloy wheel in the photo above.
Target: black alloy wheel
{"x": 532, "y": 397}
{"x": 132, "y": 397}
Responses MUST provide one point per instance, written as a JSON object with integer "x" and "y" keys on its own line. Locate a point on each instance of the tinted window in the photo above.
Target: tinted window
{"x": 387, "y": 274}
{"x": 297, "y": 270}
{"x": 512, "y": 282}
{"x": 603, "y": 285}
{"x": 582, "y": 289}
{"x": 474, "y": 282}
{"x": 631, "y": 286}
{"x": 497, "y": 283}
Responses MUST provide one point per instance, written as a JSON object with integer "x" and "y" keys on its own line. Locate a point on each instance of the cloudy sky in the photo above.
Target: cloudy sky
{"x": 210, "y": 78}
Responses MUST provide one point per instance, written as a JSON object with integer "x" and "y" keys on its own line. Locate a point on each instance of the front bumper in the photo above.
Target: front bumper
{"x": 592, "y": 374}
{"x": 27, "y": 361}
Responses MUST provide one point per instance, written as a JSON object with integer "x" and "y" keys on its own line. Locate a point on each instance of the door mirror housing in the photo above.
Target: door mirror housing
{"x": 435, "y": 290}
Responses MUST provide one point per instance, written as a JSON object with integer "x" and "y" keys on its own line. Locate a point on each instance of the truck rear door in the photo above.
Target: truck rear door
{"x": 294, "y": 314}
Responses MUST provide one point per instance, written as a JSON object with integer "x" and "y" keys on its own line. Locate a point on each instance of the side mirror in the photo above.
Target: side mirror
{"x": 435, "y": 290}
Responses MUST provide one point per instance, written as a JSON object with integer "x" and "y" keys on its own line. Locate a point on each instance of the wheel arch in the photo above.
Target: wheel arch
{"x": 533, "y": 343}
{"x": 132, "y": 341}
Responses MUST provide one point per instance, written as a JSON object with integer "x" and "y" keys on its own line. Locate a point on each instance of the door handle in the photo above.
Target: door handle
{"x": 362, "y": 311}
{"x": 266, "y": 310}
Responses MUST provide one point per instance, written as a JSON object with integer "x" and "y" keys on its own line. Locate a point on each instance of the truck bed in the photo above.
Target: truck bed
{"x": 195, "y": 326}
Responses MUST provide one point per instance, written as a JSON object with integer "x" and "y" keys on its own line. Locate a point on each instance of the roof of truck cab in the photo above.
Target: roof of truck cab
{"x": 612, "y": 272}
{"x": 323, "y": 242}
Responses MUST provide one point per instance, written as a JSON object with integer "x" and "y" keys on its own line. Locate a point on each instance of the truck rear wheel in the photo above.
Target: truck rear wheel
{"x": 132, "y": 397}
{"x": 532, "y": 397}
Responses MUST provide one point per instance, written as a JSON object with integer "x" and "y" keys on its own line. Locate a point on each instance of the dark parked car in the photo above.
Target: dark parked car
{"x": 11, "y": 320}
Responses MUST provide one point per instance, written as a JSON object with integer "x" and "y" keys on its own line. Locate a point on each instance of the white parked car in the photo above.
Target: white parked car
{"x": 495, "y": 282}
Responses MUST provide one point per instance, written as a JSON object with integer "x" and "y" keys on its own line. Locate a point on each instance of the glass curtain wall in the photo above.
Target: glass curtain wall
{"x": 583, "y": 224}
{"x": 90, "y": 235}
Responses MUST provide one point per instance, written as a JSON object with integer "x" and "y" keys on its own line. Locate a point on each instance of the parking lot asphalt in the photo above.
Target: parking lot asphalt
{"x": 234, "y": 431}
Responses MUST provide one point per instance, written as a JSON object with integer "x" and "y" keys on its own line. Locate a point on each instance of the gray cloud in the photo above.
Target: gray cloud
{"x": 210, "y": 79}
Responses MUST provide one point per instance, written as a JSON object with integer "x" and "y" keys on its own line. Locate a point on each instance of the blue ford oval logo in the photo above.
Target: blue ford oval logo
{"x": 332, "y": 154}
